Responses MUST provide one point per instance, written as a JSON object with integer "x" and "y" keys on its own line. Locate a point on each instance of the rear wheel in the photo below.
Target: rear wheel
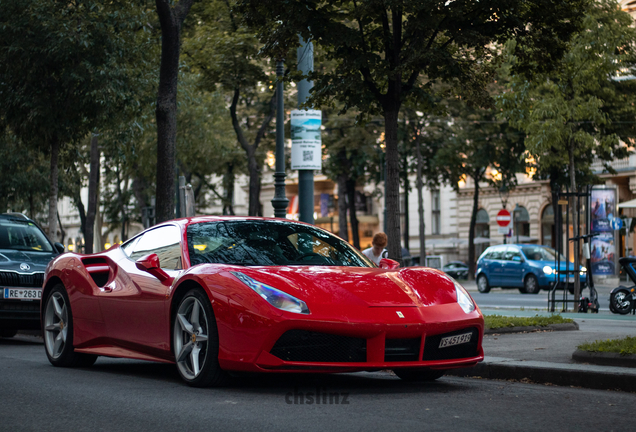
{"x": 419, "y": 374}
{"x": 57, "y": 327}
{"x": 196, "y": 342}
{"x": 531, "y": 285}
{"x": 482, "y": 284}
{"x": 621, "y": 302}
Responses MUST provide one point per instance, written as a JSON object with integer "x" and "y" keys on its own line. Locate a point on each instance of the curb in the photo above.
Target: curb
{"x": 605, "y": 358}
{"x": 550, "y": 327}
{"x": 561, "y": 376}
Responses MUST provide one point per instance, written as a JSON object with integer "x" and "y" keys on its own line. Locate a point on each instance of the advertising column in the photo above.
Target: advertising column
{"x": 603, "y": 245}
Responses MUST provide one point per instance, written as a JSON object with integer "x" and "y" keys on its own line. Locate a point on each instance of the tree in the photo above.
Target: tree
{"x": 474, "y": 140}
{"x": 351, "y": 153}
{"x": 389, "y": 51}
{"x": 581, "y": 110}
{"x": 50, "y": 55}
{"x": 225, "y": 52}
{"x": 171, "y": 16}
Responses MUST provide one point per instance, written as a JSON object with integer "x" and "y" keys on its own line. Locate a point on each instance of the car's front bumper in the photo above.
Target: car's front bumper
{"x": 388, "y": 342}
{"x": 20, "y": 314}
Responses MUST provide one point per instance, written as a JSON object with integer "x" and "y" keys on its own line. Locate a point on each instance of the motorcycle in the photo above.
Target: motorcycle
{"x": 623, "y": 299}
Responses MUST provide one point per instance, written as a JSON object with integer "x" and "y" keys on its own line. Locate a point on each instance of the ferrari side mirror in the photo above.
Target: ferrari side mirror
{"x": 389, "y": 264}
{"x": 150, "y": 264}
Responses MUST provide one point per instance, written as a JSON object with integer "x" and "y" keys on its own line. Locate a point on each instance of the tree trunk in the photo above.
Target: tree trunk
{"x": 351, "y": 194}
{"x": 406, "y": 205}
{"x": 471, "y": 230}
{"x": 53, "y": 189}
{"x": 93, "y": 187}
{"x": 420, "y": 198}
{"x": 392, "y": 198}
{"x": 171, "y": 19}
{"x": 575, "y": 228}
{"x": 228, "y": 186}
{"x": 343, "y": 231}
{"x": 62, "y": 232}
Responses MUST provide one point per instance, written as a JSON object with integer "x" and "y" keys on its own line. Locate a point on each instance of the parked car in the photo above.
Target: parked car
{"x": 218, "y": 294}
{"x": 25, "y": 251}
{"x": 528, "y": 267}
{"x": 456, "y": 269}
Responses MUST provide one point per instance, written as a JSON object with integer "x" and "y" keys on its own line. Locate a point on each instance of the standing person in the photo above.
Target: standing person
{"x": 376, "y": 252}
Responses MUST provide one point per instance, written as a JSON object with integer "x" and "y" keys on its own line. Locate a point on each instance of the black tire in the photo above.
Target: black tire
{"x": 8, "y": 333}
{"x": 197, "y": 359}
{"x": 57, "y": 330}
{"x": 418, "y": 375}
{"x": 621, "y": 302}
{"x": 482, "y": 284}
{"x": 531, "y": 285}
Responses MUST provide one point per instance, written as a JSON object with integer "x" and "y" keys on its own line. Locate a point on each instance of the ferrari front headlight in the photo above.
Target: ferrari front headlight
{"x": 463, "y": 298}
{"x": 277, "y": 298}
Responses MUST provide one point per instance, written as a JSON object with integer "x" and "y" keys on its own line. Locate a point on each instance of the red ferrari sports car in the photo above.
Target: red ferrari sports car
{"x": 221, "y": 294}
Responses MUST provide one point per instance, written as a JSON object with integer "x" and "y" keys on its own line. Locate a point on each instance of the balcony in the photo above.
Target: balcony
{"x": 627, "y": 164}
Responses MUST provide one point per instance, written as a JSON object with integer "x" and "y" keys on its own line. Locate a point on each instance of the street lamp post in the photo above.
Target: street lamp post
{"x": 280, "y": 201}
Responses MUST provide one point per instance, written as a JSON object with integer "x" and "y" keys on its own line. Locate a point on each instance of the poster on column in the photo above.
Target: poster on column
{"x": 602, "y": 254}
{"x": 603, "y": 209}
{"x": 602, "y": 245}
{"x": 306, "y": 151}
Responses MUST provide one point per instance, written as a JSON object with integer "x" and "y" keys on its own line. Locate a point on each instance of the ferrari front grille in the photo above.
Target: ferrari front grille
{"x": 21, "y": 280}
{"x": 401, "y": 349}
{"x": 432, "y": 350}
{"x": 308, "y": 346}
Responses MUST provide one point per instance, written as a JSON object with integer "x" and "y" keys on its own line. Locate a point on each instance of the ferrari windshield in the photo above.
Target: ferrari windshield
{"x": 22, "y": 235}
{"x": 269, "y": 243}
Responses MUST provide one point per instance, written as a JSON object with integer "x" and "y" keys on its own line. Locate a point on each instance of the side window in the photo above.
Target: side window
{"x": 165, "y": 242}
{"x": 496, "y": 254}
{"x": 512, "y": 254}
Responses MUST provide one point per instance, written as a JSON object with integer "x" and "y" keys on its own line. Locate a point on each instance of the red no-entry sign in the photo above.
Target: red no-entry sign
{"x": 503, "y": 218}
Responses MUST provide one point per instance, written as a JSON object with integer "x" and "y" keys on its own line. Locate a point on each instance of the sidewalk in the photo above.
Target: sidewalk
{"x": 547, "y": 356}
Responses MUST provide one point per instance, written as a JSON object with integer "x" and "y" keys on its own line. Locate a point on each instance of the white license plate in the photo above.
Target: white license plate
{"x": 455, "y": 340}
{"x": 23, "y": 293}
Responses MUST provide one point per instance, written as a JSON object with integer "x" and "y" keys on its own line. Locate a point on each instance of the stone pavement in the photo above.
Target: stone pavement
{"x": 547, "y": 356}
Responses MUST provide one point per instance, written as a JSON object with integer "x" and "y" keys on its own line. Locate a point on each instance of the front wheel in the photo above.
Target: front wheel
{"x": 482, "y": 284}
{"x": 621, "y": 302}
{"x": 415, "y": 375}
{"x": 195, "y": 341}
{"x": 57, "y": 327}
{"x": 531, "y": 285}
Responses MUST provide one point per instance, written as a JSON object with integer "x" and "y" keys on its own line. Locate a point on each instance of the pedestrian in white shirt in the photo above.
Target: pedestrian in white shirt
{"x": 377, "y": 250}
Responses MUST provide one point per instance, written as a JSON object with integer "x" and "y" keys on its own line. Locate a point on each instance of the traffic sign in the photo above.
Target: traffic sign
{"x": 504, "y": 218}
{"x": 617, "y": 223}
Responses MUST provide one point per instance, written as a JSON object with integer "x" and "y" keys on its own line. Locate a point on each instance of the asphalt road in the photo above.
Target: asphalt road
{"x": 513, "y": 299}
{"x": 126, "y": 395}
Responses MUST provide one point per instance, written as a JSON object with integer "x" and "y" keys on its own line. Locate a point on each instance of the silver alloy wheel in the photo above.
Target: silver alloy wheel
{"x": 190, "y": 337}
{"x": 482, "y": 284}
{"x": 55, "y": 325}
{"x": 531, "y": 285}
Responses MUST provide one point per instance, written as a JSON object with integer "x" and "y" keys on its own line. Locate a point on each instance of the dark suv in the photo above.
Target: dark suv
{"x": 25, "y": 252}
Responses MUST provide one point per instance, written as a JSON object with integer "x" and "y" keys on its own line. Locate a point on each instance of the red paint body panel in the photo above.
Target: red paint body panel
{"x": 127, "y": 313}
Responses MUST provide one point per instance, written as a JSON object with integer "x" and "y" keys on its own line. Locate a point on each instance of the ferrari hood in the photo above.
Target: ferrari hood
{"x": 362, "y": 286}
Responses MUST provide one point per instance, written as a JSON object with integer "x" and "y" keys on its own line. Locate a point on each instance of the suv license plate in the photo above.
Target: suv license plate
{"x": 23, "y": 293}
{"x": 455, "y": 340}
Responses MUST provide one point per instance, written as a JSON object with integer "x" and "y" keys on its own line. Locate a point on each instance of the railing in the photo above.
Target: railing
{"x": 618, "y": 164}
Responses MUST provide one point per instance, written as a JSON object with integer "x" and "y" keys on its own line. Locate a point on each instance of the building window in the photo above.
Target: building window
{"x": 435, "y": 213}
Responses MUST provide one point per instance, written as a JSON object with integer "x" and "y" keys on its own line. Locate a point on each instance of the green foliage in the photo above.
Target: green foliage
{"x": 500, "y": 321}
{"x": 579, "y": 111}
{"x": 65, "y": 66}
{"x": 623, "y": 346}
{"x": 24, "y": 177}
